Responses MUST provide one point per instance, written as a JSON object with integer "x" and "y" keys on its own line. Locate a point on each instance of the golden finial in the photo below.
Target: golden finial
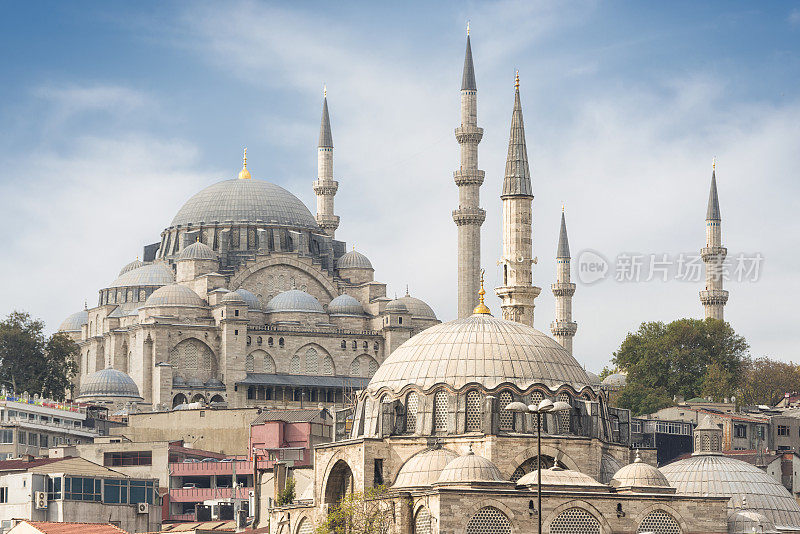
{"x": 467, "y": 28}
{"x": 714, "y": 163}
{"x": 324, "y": 91}
{"x": 562, "y": 207}
{"x": 516, "y": 80}
{"x": 244, "y": 174}
{"x": 198, "y": 239}
{"x": 481, "y": 307}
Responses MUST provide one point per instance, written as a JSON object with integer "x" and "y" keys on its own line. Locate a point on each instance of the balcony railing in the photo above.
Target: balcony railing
{"x": 243, "y": 467}
{"x": 204, "y": 494}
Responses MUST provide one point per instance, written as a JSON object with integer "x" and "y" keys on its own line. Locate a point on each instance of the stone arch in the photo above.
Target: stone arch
{"x": 263, "y": 362}
{"x": 254, "y": 280}
{"x": 363, "y": 365}
{"x": 489, "y": 520}
{"x": 338, "y": 483}
{"x": 192, "y": 358}
{"x": 604, "y": 527}
{"x": 531, "y": 452}
{"x": 663, "y": 507}
{"x": 199, "y": 397}
{"x": 312, "y": 356}
{"x": 327, "y": 367}
{"x": 474, "y": 411}
{"x": 422, "y": 520}
{"x": 531, "y": 464}
{"x": 178, "y": 399}
{"x": 217, "y": 398}
{"x": 504, "y": 417}
{"x": 304, "y": 526}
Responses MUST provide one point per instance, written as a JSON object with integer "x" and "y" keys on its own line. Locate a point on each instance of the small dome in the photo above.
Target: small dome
{"x": 74, "y": 322}
{"x": 294, "y": 300}
{"x": 424, "y": 468}
{"x": 197, "y": 251}
{"x": 151, "y": 274}
{"x": 345, "y": 305}
{"x": 135, "y": 264}
{"x": 417, "y": 307}
{"x": 109, "y": 383}
{"x": 353, "y": 260}
{"x": 558, "y": 476}
{"x": 748, "y": 521}
{"x": 616, "y": 380}
{"x": 639, "y": 475}
{"x": 470, "y": 468}
{"x": 195, "y": 383}
{"x": 178, "y": 381}
{"x": 252, "y": 301}
{"x": 214, "y": 383}
{"x": 173, "y": 295}
{"x": 232, "y": 297}
{"x": 396, "y": 306}
{"x": 594, "y": 380}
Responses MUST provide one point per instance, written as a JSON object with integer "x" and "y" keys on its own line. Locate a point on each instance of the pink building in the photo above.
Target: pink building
{"x": 289, "y": 435}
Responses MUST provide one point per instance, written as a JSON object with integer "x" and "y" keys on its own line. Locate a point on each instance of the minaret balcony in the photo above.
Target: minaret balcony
{"x": 325, "y": 187}
{"x": 468, "y": 177}
{"x": 469, "y": 134}
{"x": 328, "y": 221}
{"x": 712, "y": 253}
{"x": 563, "y": 328}
{"x": 563, "y": 289}
{"x": 508, "y": 293}
{"x": 469, "y": 216}
{"x": 713, "y": 296}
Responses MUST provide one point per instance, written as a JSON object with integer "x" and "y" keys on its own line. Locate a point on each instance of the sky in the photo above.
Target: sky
{"x": 113, "y": 114}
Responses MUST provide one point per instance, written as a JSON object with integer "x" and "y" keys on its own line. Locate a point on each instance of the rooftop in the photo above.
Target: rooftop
{"x": 74, "y": 528}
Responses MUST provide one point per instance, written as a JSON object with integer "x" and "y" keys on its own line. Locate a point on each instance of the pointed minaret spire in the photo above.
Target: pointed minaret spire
{"x": 517, "y": 292}
{"x": 469, "y": 216}
{"x": 714, "y": 297}
{"x": 563, "y": 328}
{"x": 325, "y": 187}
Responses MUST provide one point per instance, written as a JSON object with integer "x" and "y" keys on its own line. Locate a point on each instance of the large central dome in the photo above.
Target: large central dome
{"x": 480, "y": 349}
{"x": 246, "y": 201}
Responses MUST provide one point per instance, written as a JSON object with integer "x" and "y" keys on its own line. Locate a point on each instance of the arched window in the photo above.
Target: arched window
{"x": 365, "y": 344}
{"x": 344, "y": 344}
{"x": 217, "y": 398}
{"x": 489, "y": 520}
{"x": 251, "y": 393}
{"x": 355, "y": 345}
{"x": 531, "y": 464}
{"x": 422, "y": 523}
{"x": 412, "y": 406}
{"x": 659, "y": 522}
{"x": 706, "y": 443}
{"x": 575, "y": 521}
{"x": 269, "y": 342}
{"x": 294, "y": 365}
{"x": 376, "y": 346}
{"x": 269, "y": 364}
{"x": 249, "y": 363}
{"x": 505, "y": 418}
{"x": 305, "y": 527}
{"x": 312, "y": 362}
{"x": 260, "y": 340}
{"x": 249, "y": 340}
{"x": 565, "y": 416}
{"x": 537, "y": 397}
{"x": 199, "y": 398}
{"x": 474, "y": 412}
{"x": 440, "y": 408}
{"x": 363, "y": 365}
{"x": 280, "y": 342}
{"x": 328, "y": 368}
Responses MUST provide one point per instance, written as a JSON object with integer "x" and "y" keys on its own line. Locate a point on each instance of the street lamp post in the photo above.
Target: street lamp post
{"x": 546, "y": 406}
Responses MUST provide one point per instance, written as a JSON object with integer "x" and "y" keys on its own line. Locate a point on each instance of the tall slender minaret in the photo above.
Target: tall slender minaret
{"x": 517, "y": 292}
{"x": 714, "y": 297}
{"x": 563, "y": 328}
{"x": 325, "y": 187}
{"x": 469, "y": 216}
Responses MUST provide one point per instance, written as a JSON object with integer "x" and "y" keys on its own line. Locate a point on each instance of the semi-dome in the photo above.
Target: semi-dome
{"x": 109, "y": 383}
{"x": 353, "y": 260}
{"x": 173, "y": 295}
{"x": 74, "y": 322}
{"x": 252, "y": 301}
{"x": 197, "y": 251}
{"x": 640, "y": 476}
{"x": 345, "y": 305}
{"x": 254, "y": 201}
{"x": 479, "y": 349}
{"x": 135, "y": 264}
{"x": 151, "y": 274}
{"x": 424, "y": 468}
{"x": 745, "y": 484}
{"x": 396, "y": 306}
{"x": 470, "y": 469}
{"x": 749, "y": 521}
{"x": 418, "y": 308}
{"x": 294, "y": 300}
{"x": 558, "y": 476}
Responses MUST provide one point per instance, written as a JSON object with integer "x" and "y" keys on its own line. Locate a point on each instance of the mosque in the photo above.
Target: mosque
{"x": 247, "y": 300}
{"x": 445, "y": 425}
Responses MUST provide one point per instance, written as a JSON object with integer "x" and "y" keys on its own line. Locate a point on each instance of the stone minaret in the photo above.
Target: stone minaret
{"x": 563, "y": 328}
{"x": 713, "y": 297}
{"x": 469, "y": 216}
{"x": 325, "y": 187}
{"x": 517, "y": 292}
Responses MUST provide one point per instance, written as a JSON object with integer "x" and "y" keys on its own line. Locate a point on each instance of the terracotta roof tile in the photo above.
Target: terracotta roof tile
{"x": 75, "y": 528}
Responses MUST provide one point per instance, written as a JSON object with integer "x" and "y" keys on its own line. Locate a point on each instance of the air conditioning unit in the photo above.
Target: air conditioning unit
{"x": 41, "y": 500}
{"x": 143, "y": 508}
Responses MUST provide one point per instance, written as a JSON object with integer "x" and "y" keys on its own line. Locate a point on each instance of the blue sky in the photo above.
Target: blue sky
{"x": 114, "y": 113}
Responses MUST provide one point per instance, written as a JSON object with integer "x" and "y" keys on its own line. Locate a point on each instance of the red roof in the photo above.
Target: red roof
{"x": 23, "y": 465}
{"x": 75, "y": 528}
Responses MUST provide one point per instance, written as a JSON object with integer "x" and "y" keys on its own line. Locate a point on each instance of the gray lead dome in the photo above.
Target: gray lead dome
{"x": 294, "y": 300}
{"x": 246, "y": 200}
{"x": 109, "y": 383}
{"x": 74, "y": 322}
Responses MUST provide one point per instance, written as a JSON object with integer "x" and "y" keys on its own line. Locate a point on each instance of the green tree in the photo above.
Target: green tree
{"x": 31, "y": 362}
{"x": 369, "y": 512}
{"x": 766, "y": 381}
{"x": 287, "y": 495}
{"x": 607, "y": 371}
{"x": 687, "y": 357}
